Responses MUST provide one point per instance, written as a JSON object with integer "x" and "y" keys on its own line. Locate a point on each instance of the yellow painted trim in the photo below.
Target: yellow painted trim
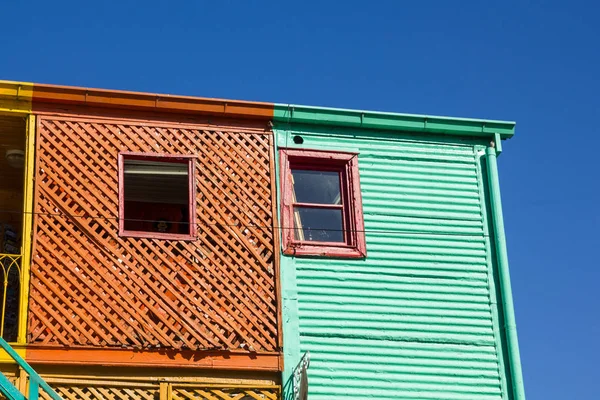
{"x": 15, "y": 97}
{"x": 6, "y": 359}
{"x": 27, "y": 227}
{"x": 50, "y": 372}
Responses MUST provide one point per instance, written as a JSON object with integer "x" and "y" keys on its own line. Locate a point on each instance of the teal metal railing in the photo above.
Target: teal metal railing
{"x": 35, "y": 381}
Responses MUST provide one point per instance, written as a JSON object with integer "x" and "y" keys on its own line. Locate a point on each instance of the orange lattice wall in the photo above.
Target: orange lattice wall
{"x": 92, "y": 288}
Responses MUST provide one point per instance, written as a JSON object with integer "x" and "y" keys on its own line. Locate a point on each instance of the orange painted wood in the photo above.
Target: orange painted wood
{"x": 43, "y": 95}
{"x": 148, "y": 358}
{"x": 92, "y": 288}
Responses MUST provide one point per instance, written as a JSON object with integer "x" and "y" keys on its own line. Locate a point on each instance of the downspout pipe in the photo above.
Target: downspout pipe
{"x": 510, "y": 326}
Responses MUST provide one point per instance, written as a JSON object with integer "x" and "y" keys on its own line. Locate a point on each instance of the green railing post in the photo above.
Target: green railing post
{"x": 34, "y": 389}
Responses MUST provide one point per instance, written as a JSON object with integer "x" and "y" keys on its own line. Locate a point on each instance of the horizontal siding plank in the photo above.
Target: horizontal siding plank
{"x": 417, "y": 351}
{"x": 404, "y": 333}
{"x": 327, "y": 391}
{"x": 386, "y": 198}
{"x": 415, "y": 315}
{"x": 401, "y": 182}
{"x": 437, "y": 258}
{"x": 439, "y": 241}
{"x": 389, "y": 294}
{"x": 395, "y": 271}
{"x": 396, "y": 379}
{"x": 420, "y": 228}
{"x": 311, "y": 310}
{"x": 364, "y": 278}
{"x": 408, "y": 301}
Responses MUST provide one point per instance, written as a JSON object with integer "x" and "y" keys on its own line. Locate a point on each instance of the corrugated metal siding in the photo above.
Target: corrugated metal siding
{"x": 413, "y": 320}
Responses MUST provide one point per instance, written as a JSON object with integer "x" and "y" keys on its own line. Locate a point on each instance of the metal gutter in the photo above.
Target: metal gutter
{"x": 32, "y": 95}
{"x": 510, "y": 326}
{"x": 298, "y": 114}
{"x": 25, "y": 96}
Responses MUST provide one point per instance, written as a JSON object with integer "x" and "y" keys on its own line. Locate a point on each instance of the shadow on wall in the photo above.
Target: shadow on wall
{"x": 287, "y": 392}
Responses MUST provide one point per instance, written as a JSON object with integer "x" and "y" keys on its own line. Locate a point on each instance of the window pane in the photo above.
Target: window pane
{"x": 318, "y": 225}
{"x": 156, "y": 195}
{"x": 321, "y": 187}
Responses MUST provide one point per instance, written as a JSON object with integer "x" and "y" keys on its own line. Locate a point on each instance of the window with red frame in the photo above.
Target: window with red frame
{"x": 321, "y": 204}
{"x": 156, "y": 196}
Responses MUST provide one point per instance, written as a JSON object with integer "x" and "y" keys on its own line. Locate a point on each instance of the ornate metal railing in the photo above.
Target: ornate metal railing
{"x": 301, "y": 378}
{"x": 10, "y": 265}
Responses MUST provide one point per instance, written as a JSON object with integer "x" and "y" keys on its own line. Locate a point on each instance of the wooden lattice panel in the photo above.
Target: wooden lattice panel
{"x": 91, "y": 287}
{"x": 93, "y": 390}
{"x": 89, "y": 392}
{"x": 224, "y": 394}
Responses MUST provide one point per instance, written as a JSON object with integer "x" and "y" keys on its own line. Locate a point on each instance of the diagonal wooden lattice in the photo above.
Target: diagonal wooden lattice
{"x": 90, "y": 392}
{"x": 224, "y": 394}
{"x": 92, "y": 287}
{"x": 151, "y": 391}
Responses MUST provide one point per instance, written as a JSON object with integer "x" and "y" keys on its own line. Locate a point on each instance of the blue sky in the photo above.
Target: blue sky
{"x": 530, "y": 61}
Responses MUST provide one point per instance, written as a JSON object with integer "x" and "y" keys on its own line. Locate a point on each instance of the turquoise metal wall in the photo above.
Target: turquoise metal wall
{"x": 417, "y": 319}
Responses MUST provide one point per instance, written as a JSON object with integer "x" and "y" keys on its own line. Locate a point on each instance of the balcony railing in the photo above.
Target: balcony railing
{"x": 10, "y": 265}
{"x": 301, "y": 378}
{"x": 35, "y": 382}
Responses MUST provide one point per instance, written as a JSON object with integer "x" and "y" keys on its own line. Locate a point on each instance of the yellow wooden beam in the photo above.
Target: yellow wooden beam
{"x": 27, "y": 227}
{"x": 22, "y": 381}
{"x": 165, "y": 391}
{"x": 6, "y": 359}
{"x": 15, "y": 97}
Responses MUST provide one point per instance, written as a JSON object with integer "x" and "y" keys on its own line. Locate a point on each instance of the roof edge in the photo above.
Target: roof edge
{"x": 299, "y": 114}
{"x": 15, "y": 96}
{"x": 42, "y": 94}
{"x": 25, "y": 96}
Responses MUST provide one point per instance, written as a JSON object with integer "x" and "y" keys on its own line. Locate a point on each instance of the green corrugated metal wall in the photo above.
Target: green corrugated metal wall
{"x": 417, "y": 318}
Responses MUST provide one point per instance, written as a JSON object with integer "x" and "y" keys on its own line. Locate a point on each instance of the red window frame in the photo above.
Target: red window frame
{"x": 354, "y": 245}
{"x": 190, "y": 160}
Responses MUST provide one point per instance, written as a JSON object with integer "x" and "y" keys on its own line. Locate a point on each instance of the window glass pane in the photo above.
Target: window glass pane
{"x": 156, "y": 195}
{"x": 318, "y": 224}
{"x": 321, "y": 187}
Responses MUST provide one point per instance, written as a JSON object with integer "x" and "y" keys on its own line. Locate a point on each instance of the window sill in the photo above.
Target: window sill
{"x": 325, "y": 251}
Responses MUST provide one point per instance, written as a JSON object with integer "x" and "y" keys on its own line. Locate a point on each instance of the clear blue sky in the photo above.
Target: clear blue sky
{"x": 530, "y": 61}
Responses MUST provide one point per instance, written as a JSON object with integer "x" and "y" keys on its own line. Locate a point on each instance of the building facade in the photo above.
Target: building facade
{"x": 171, "y": 247}
{"x": 148, "y": 266}
{"x": 416, "y": 311}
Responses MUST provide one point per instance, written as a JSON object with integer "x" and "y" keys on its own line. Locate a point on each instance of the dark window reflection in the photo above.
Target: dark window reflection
{"x": 318, "y": 224}
{"x": 156, "y": 196}
{"x": 320, "y": 187}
